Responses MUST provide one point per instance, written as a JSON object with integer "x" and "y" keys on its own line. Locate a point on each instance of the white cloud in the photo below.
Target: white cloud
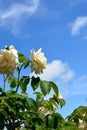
{"x": 77, "y": 87}
{"x": 78, "y": 24}
{"x": 81, "y": 82}
{"x": 57, "y": 70}
{"x": 14, "y": 15}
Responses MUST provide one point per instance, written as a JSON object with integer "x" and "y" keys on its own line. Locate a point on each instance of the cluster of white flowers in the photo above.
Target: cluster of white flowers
{"x": 82, "y": 124}
{"x": 8, "y": 60}
{"x": 38, "y": 61}
{"x": 45, "y": 111}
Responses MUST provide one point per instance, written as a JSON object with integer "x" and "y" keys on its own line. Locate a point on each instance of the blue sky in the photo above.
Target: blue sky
{"x": 60, "y": 28}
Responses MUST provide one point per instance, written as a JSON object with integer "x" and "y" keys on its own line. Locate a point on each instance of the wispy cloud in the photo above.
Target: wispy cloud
{"x": 77, "y": 87}
{"x": 16, "y": 13}
{"x": 75, "y": 2}
{"x": 85, "y": 37}
{"x": 57, "y": 70}
{"x": 78, "y": 24}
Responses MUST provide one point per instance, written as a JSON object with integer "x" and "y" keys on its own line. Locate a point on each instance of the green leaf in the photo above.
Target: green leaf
{"x": 61, "y": 102}
{"x": 55, "y": 88}
{"x": 13, "y": 94}
{"x": 38, "y": 94}
{"x": 10, "y": 93}
{"x": 59, "y": 116}
{"x": 23, "y": 129}
{"x": 21, "y": 57}
{"x": 30, "y": 103}
{"x": 35, "y": 82}
{"x": 3, "y": 113}
{"x": 25, "y": 79}
{"x": 12, "y": 81}
{"x": 53, "y": 102}
{"x": 68, "y": 126}
{"x": 23, "y": 87}
{"x": 45, "y": 87}
{"x": 2, "y": 119}
{"x": 10, "y": 108}
{"x": 39, "y": 98}
{"x": 49, "y": 105}
{"x": 24, "y": 82}
{"x": 26, "y": 63}
{"x": 53, "y": 120}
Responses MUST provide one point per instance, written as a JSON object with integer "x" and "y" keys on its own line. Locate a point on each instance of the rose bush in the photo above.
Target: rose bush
{"x": 19, "y": 111}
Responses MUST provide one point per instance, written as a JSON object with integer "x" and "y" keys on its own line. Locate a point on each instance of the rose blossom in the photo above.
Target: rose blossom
{"x": 38, "y": 61}
{"x": 8, "y": 60}
{"x": 45, "y": 111}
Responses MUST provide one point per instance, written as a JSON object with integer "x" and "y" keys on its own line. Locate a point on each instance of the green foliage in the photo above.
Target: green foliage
{"x": 18, "y": 111}
{"x": 68, "y": 126}
{"x": 61, "y": 102}
{"x": 30, "y": 103}
{"x": 35, "y": 82}
{"x": 12, "y": 81}
{"x": 55, "y": 88}
{"x": 54, "y": 120}
{"x": 45, "y": 87}
{"x": 79, "y": 114}
{"x": 22, "y": 58}
{"x": 24, "y": 81}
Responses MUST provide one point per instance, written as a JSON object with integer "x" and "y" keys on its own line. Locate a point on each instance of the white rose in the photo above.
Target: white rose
{"x": 38, "y": 61}
{"x": 45, "y": 111}
{"x": 8, "y": 60}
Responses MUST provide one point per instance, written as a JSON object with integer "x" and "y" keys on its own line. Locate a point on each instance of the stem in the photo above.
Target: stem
{"x": 19, "y": 70}
{"x": 4, "y": 85}
{"x": 18, "y": 80}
